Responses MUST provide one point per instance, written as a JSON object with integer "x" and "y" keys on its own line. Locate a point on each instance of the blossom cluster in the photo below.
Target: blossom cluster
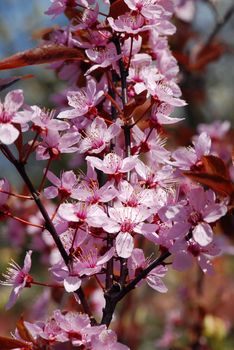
{"x": 133, "y": 189}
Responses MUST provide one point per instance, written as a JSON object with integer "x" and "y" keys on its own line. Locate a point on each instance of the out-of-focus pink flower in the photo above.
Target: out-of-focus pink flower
{"x": 151, "y": 8}
{"x": 106, "y": 339}
{"x": 18, "y": 278}
{"x": 88, "y": 18}
{"x": 185, "y": 9}
{"x": 216, "y": 130}
{"x": 4, "y": 187}
{"x": 56, "y": 8}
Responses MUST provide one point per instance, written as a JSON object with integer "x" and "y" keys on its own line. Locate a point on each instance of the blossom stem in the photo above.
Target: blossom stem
{"x": 23, "y": 221}
{"x": 46, "y": 284}
{"x": 56, "y": 210}
{"x": 44, "y": 176}
{"x": 30, "y": 149}
{"x": 21, "y": 196}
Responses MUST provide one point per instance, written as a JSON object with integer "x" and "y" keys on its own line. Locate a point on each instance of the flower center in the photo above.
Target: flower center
{"x": 127, "y": 226}
{"x": 5, "y": 117}
{"x": 194, "y": 218}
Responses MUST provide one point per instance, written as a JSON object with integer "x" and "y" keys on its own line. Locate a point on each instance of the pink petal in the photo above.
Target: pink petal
{"x": 96, "y": 216}
{"x": 182, "y": 261}
{"x": 13, "y": 101}
{"x": 214, "y": 213}
{"x": 27, "y": 261}
{"x": 203, "y": 234}
{"x": 128, "y": 164}
{"x": 53, "y": 178}
{"x": 106, "y": 257}
{"x": 156, "y": 283}
{"x": 72, "y": 283}
{"x": 50, "y": 192}
{"x": 67, "y": 212}
{"x": 124, "y": 245}
{"x": 8, "y": 134}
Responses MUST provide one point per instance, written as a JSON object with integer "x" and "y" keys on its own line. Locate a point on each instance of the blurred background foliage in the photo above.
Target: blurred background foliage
{"x": 143, "y": 314}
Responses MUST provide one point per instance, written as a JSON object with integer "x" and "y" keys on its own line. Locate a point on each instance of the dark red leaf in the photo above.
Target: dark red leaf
{"x": 40, "y": 55}
{"x": 118, "y": 8}
{"x": 9, "y": 343}
{"x": 214, "y": 174}
{"x": 215, "y": 182}
{"x": 215, "y": 165}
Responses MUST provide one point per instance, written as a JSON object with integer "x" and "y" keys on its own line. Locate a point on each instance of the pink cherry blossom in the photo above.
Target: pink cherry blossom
{"x": 63, "y": 186}
{"x": 113, "y": 164}
{"x": 97, "y": 136}
{"x": 125, "y": 221}
{"x": 80, "y": 212}
{"x": 137, "y": 262}
{"x": 103, "y": 57}
{"x": 89, "y": 192}
{"x": 216, "y": 130}
{"x": 129, "y": 23}
{"x": 43, "y": 121}
{"x": 201, "y": 211}
{"x": 87, "y": 263}
{"x": 160, "y": 115}
{"x": 54, "y": 143}
{"x": 151, "y": 8}
{"x": 154, "y": 175}
{"x": 133, "y": 196}
{"x": 150, "y": 141}
{"x": 185, "y": 10}
{"x": 18, "y": 278}
{"x": 107, "y": 340}
{"x": 83, "y": 101}
{"x": 190, "y": 158}
{"x": 185, "y": 251}
{"x": 88, "y": 18}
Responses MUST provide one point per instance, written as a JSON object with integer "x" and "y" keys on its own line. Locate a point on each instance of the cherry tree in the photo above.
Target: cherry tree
{"x": 140, "y": 206}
